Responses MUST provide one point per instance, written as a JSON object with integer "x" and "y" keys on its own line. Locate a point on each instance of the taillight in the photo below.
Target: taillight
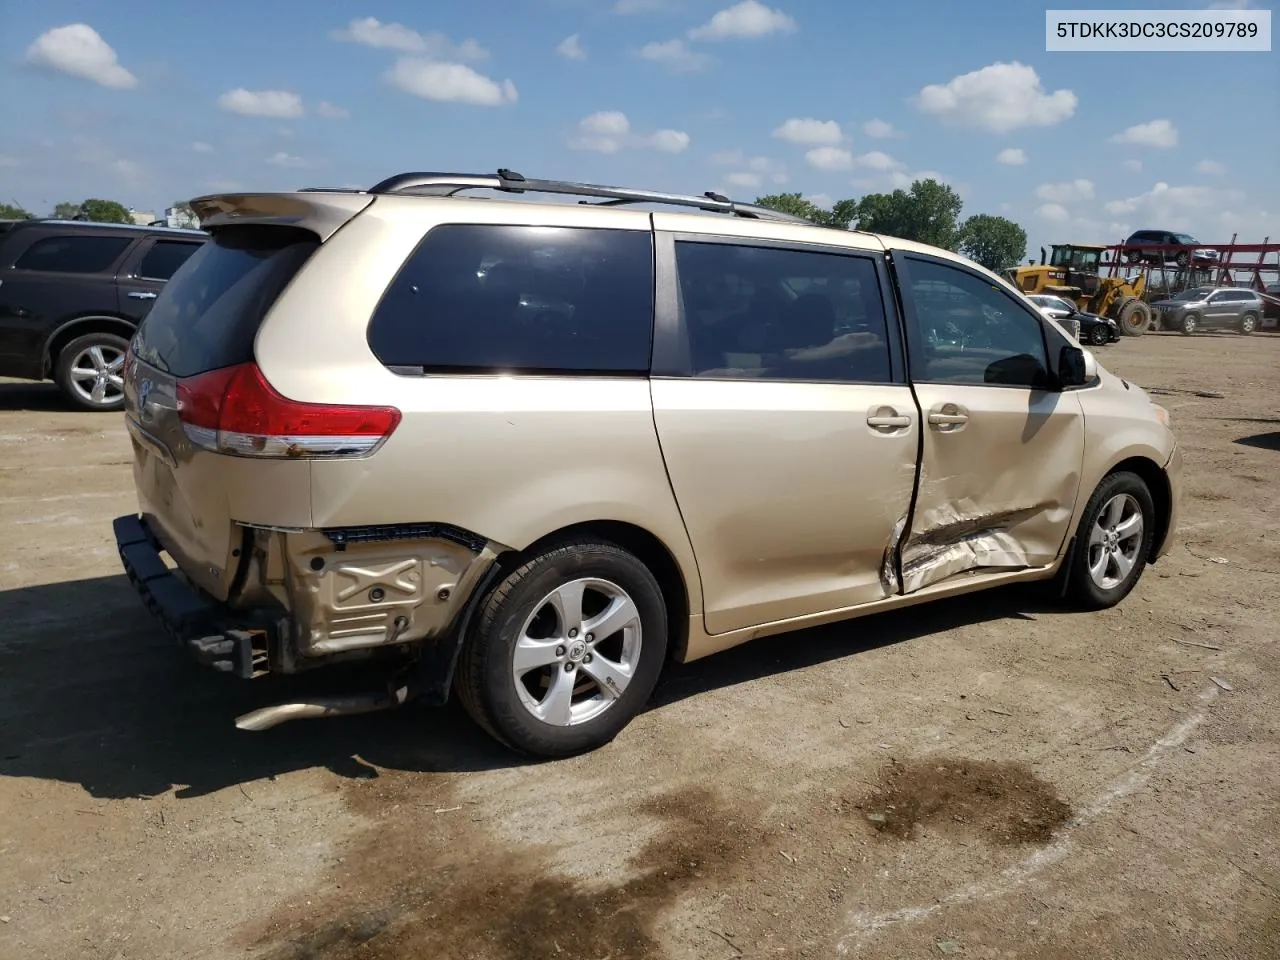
{"x": 235, "y": 411}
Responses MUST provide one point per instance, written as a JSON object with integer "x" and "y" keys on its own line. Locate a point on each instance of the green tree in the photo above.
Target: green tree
{"x": 994, "y": 242}
{"x": 106, "y": 211}
{"x": 839, "y": 216}
{"x": 927, "y": 213}
{"x": 10, "y": 211}
{"x": 66, "y": 211}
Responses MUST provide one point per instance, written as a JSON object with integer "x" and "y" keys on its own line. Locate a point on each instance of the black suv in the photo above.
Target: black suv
{"x": 71, "y": 296}
{"x": 1163, "y": 246}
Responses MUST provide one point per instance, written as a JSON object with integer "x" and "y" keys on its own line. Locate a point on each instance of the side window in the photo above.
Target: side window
{"x": 489, "y": 298}
{"x": 767, "y": 313}
{"x": 968, "y": 330}
{"x": 164, "y": 258}
{"x": 73, "y": 254}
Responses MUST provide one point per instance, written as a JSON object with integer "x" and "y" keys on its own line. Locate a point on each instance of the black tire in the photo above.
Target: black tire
{"x": 1133, "y": 256}
{"x": 1248, "y": 323}
{"x": 1082, "y": 589}
{"x": 1183, "y": 260}
{"x": 1189, "y": 324}
{"x": 111, "y": 346}
{"x": 485, "y": 681}
{"x": 1133, "y": 317}
{"x": 1099, "y": 335}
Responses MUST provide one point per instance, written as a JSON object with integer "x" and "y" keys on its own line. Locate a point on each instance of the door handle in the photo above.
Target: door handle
{"x": 889, "y": 421}
{"x": 948, "y": 417}
{"x": 142, "y": 295}
{"x": 886, "y": 419}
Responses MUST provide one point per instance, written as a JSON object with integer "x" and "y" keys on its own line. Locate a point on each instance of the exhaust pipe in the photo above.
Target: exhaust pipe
{"x": 315, "y": 708}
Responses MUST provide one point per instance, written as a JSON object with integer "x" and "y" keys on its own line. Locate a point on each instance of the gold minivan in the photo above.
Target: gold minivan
{"x": 534, "y": 451}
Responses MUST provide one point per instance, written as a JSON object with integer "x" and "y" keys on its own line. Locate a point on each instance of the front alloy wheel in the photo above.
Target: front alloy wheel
{"x": 1115, "y": 541}
{"x": 1112, "y": 542}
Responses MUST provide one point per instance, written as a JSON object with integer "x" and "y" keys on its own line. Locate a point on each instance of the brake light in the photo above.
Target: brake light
{"x": 235, "y": 411}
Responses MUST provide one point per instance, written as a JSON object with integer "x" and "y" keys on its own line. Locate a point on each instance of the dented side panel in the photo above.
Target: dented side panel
{"x": 998, "y": 490}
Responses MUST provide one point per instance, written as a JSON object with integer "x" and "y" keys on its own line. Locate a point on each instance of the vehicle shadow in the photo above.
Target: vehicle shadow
{"x": 1262, "y": 441}
{"x": 22, "y": 395}
{"x": 92, "y": 692}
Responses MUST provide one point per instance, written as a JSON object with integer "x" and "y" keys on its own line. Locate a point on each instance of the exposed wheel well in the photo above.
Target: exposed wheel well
{"x": 78, "y": 328}
{"x": 1153, "y": 476}
{"x": 651, "y": 551}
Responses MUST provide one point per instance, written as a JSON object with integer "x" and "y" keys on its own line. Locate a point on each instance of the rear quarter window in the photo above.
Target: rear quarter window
{"x": 73, "y": 254}
{"x": 209, "y": 312}
{"x": 491, "y": 298}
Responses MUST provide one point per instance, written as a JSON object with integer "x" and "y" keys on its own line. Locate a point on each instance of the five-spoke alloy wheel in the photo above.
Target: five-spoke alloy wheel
{"x": 90, "y": 371}
{"x": 565, "y": 649}
{"x": 1113, "y": 542}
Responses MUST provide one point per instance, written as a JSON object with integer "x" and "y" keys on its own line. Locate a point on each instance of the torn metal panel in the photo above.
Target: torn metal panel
{"x": 889, "y": 565}
{"x": 957, "y": 538}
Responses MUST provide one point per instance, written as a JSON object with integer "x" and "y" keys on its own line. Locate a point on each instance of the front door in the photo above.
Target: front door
{"x": 789, "y": 432}
{"x": 1002, "y": 452}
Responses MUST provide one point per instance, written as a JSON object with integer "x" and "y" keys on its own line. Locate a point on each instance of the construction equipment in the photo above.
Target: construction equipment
{"x": 1074, "y": 272}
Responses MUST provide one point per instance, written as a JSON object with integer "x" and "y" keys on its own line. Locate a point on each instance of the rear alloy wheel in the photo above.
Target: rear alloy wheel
{"x": 1189, "y": 324}
{"x": 1113, "y": 542}
{"x": 90, "y": 371}
{"x": 565, "y": 650}
{"x": 1248, "y": 323}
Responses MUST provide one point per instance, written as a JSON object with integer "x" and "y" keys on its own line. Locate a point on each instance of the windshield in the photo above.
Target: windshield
{"x": 1075, "y": 258}
{"x": 1199, "y": 293}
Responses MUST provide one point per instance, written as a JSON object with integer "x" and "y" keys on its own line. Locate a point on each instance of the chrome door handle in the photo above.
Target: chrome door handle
{"x": 142, "y": 295}
{"x": 888, "y": 422}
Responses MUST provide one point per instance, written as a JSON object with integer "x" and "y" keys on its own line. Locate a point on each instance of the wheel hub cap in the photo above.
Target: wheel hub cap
{"x": 577, "y": 651}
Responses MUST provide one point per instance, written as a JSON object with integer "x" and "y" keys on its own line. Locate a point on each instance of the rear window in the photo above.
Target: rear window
{"x": 489, "y": 298}
{"x": 209, "y": 312}
{"x": 164, "y": 258}
{"x": 73, "y": 254}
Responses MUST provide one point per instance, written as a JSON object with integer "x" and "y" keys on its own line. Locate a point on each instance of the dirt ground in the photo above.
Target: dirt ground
{"x": 989, "y": 777}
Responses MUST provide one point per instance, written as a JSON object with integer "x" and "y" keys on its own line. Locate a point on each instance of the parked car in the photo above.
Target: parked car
{"x": 73, "y": 293}
{"x": 1093, "y": 328}
{"x": 534, "y": 452}
{"x": 1162, "y": 246}
{"x": 1210, "y": 308}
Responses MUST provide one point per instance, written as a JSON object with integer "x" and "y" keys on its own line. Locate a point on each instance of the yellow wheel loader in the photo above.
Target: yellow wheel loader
{"x": 1072, "y": 271}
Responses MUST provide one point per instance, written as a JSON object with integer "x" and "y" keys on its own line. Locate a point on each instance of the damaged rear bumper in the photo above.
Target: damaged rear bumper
{"x": 191, "y": 619}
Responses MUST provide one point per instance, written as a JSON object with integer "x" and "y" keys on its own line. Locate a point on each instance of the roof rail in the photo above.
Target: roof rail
{"x": 508, "y": 181}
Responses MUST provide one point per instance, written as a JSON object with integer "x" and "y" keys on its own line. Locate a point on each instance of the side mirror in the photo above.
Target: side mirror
{"x": 1076, "y": 366}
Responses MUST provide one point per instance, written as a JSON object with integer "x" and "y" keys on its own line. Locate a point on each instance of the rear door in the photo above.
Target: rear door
{"x": 206, "y": 320}
{"x": 786, "y": 423}
{"x": 49, "y": 278}
{"x": 1221, "y": 309}
{"x": 1003, "y": 449}
{"x": 148, "y": 269}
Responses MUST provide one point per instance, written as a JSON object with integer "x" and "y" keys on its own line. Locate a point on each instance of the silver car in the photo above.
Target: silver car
{"x": 1210, "y": 308}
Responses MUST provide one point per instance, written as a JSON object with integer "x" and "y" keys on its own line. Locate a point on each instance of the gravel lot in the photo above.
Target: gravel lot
{"x": 988, "y": 777}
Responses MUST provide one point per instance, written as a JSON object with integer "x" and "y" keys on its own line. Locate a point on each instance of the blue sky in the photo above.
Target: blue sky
{"x": 149, "y": 103}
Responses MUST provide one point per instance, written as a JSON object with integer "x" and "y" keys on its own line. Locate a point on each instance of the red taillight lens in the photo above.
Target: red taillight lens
{"x": 234, "y": 410}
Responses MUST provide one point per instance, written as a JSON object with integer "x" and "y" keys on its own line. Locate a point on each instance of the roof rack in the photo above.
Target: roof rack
{"x": 508, "y": 181}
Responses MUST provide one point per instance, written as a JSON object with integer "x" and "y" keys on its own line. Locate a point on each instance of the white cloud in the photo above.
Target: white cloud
{"x": 745, "y": 20}
{"x": 810, "y": 132}
{"x": 1210, "y": 168}
{"x": 1134, "y": 165}
{"x": 262, "y": 103}
{"x": 1156, "y": 133}
{"x": 675, "y": 55}
{"x": 1180, "y": 207}
{"x": 609, "y": 131}
{"x": 449, "y": 83}
{"x": 748, "y": 179}
{"x": 78, "y": 50}
{"x": 999, "y": 97}
{"x": 752, "y": 172}
{"x": 824, "y": 200}
{"x": 283, "y": 159}
{"x": 331, "y": 111}
{"x": 830, "y": 158}
{"x": 880, "y": 130}
{"x": 1012, "y": 156}
{"x": 1053, "y": 212}
{"x": 372, "y": 32}
{"x": 571, "y": 48}
{"x": 897, "y": 180}
{"x": 877, "y": 160}
{"x": 200, "y": 146}
{"x": 668, "y": 141}
{"x": 1066, "y": 192}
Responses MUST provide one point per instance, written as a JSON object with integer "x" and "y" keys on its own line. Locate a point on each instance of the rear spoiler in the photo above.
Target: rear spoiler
{"x": 322, "y": 213}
